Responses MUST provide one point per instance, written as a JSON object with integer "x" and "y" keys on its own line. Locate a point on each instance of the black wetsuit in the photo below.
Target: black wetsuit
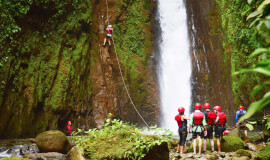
{"x": 183, "y": 133}
{"x": 210, "y": 127}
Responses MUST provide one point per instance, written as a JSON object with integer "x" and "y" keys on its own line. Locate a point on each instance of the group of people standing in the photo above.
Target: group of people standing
{"x": 202, "y": 125}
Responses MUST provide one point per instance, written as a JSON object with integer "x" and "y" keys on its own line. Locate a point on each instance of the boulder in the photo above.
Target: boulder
{"x": 29, "y": 149}
{"x": 253, "y": 147}
{"x": 53, "y": 141}
{"x": 2, "y": 149}
{"x": 230, "y": 144}
{"x": 237, "y": 133}
{"x": 160, "y": 152}
{"x": 243, "y": 152}
{"x": 46, "y": 156}
{"x": 241, "y": 158}
{"x": 76, "y": 153}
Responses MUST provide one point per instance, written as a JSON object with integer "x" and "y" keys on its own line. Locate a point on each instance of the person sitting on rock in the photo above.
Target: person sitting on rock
{"x": 109, "y": 30}
{"x": 68, "y": 129}
{"x": 241, "y": 125}
{"x": 198, "y": 125}
{"x": 210, "y": 118}
{"x": 220, "y": 123}
{"x": 181, "y": 120}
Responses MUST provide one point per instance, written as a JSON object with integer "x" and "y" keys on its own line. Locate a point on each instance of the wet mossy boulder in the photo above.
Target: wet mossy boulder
{"x": 76, "y": 153}
{"x": 53, "y": 141}
{"x": 243, "y": 152}
{"x": 230, "y": 144}
{"x": 237, "y": 133}
{"x": 160, "y": 152}
{"x": 46, "y": 156}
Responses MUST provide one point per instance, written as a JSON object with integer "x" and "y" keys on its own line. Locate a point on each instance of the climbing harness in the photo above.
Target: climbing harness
{"x": 119, "y": 66}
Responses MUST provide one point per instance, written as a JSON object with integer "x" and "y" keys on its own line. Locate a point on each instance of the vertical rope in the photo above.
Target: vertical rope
{"x": 119, "y": 66}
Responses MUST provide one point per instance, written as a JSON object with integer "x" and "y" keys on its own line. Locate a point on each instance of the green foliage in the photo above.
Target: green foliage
{"x": 239, "y": 41}
{"x": 263, "y": 65}
{"x": 118, "y": 139}
{"x": 264, "y": 154}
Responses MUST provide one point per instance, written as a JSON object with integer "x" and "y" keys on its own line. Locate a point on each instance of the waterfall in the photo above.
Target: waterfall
{"x": 174, "y": 70}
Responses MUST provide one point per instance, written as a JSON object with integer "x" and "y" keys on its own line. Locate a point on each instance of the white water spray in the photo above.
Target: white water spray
{"x": 175, "y": 64}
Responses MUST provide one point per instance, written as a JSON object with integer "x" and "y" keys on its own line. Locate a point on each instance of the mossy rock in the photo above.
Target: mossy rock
{"x": 237, "y": 133}
{"x": 243, "y": 152}
{"x": 231, "y": 144}
{"x": 53, "y": 141}
{"x": 160, "y": 152}
{"x": 76, "y": 153}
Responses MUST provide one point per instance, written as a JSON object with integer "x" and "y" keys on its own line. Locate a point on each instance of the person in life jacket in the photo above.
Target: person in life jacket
{"x": 68, "y": 129}
{"x": 109, "y": 30}
{"x": 242, "y": 124}
{"x": 181, "y": 120}
{"x": 210, "y": 118}
{"x": 220, "y": 123}
{"x": 198, "y": 125}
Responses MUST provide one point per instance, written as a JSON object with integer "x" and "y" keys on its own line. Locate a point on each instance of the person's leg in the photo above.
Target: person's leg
{"x": 212, "y": 144}
{"x": 218, "y": 144}
{"x": 200, "y": 143}
{"x": 109, "y": 41}
{"x": 194, "y": 136}
{"x": 246, "y": 134}
{"x": 180, "y": 139}
{"x": 104, "y": 41}
{"x": 178, "y": 148}
{"x": 204, "y": 144}
{"x": 183, "y": 141}
{"x": 194, "y": 145}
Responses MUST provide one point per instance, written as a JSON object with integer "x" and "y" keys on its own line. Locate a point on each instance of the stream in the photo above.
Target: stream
{"x": 14, "y": 147}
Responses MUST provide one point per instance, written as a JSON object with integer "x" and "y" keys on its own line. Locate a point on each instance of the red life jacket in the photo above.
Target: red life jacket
{"x": 178, "y": 120}
{"x": 222, "y": 118}
{"x": 110, "y": 30}
{"x": 197, "y": 118}
{"x": 211, "y": 117}
{"x": 68, "y": 129}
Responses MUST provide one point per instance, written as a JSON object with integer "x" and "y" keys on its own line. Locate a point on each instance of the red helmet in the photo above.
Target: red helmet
{"x": 218, "y": 108}
{"x": 68, "y": 122}
{"x": 241, "y": 107}
{"x": 206, "y": 106}
{"x": 181, "y": 109}
{"x": 198, "y": 106}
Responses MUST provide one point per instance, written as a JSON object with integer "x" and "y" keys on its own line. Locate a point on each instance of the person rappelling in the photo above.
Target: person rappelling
{"x": 220, "y": 125}
{"x": 181, "y": 120}
{"x": 109, "y": 30}
{"x": 210, "y": 118}
{"x": 242, "y": 125}
{"x": 198, "y": 125}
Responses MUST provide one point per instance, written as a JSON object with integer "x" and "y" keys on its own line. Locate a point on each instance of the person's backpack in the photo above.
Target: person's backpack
{"x": 211, "y": 118}
{"x": 241, "y": 113}
{"x": 197, "y": 118}
{"x": 222, "y": 118}
{"x": 178, "y": 119}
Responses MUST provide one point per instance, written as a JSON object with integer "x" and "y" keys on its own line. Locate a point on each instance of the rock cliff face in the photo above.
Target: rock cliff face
{"x": 56, "y": 69}
{"x": 211, "y": 76}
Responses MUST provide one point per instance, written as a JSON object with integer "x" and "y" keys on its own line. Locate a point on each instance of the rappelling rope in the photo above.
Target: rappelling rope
{"x": 119, "y": 66}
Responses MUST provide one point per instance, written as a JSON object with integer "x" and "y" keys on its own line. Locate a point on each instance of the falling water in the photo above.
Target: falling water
{"x": 175, "y": 63}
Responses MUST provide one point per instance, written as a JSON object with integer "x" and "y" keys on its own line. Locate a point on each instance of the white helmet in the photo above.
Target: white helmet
{"x": 109, "y": 26}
